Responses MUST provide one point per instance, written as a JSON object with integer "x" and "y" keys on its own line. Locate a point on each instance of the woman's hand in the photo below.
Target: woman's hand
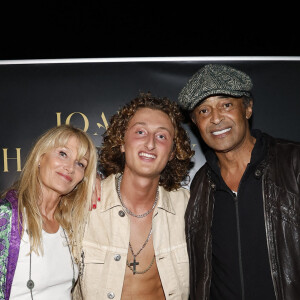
{"x": 97, "y": 193}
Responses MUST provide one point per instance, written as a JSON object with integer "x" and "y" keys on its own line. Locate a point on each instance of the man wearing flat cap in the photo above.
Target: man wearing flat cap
{"x": 243, "y": 216}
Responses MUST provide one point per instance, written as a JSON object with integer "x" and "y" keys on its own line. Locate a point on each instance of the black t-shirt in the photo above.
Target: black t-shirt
{"x": 240, "y": 262}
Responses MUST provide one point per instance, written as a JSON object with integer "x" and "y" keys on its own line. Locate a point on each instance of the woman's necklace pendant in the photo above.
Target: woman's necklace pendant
{"x": 30, "y": 284}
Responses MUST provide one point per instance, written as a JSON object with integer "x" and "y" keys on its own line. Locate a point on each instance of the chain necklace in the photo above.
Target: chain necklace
{"x": 127, "y": 209}
{"x": 132, "y": 266}
{"x": 30, "y": 282}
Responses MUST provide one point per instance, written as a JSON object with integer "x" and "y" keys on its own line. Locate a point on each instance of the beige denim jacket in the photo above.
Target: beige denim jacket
{"x": 106, "y": 239}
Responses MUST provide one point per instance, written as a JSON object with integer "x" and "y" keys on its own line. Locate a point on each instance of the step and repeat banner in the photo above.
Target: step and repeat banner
{"x": 35, "y": 96}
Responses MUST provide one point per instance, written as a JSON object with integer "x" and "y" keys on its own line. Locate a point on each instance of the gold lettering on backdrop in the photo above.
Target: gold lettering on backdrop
{"x": 6, "y": 158}
{"x": 85, "y": 119}
{"x": 104, "y": 122}
{"x": 58, "y": 118}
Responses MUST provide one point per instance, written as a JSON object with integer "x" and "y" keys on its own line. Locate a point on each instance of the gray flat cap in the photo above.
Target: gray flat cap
{"x": 214, "y": 79}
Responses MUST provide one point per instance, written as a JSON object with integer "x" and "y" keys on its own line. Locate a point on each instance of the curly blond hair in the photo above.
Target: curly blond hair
{"x": 111, "y": 158}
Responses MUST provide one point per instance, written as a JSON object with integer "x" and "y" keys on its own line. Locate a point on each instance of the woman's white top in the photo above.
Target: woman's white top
{"x": 52, "y": 272}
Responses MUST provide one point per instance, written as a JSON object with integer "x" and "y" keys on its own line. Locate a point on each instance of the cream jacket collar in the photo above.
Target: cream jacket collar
{"x": 112, "y": 199}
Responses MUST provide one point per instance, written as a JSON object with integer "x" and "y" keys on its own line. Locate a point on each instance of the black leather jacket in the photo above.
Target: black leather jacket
{"x": 280, "y": 172}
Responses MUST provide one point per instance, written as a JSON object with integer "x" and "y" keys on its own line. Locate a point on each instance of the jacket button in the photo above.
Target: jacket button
{"x": 121, "y": 213}
{"x": 257, "y": 173}
{"x": 117, "y": 257}
{"x": 213, "y": 186}
{"x": 110, "y": 295}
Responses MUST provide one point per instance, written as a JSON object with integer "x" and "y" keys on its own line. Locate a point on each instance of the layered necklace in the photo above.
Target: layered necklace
{"x": 30, "y": 282}
{"x": 132, "y": 265}
{"x": 127, "y": 209}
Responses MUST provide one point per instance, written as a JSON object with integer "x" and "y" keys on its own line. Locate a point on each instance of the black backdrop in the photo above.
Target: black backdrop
{"x": 37, "y": 95}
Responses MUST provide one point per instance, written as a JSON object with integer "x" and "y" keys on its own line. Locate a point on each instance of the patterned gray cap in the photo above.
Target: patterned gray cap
{"x": 214, "y": 79}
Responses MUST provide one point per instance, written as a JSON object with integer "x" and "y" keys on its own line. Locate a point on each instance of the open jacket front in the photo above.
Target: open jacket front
{"x": 106, "y": 240}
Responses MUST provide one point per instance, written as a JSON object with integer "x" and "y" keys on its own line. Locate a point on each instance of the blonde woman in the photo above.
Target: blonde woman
{"x": 42, "y": 217}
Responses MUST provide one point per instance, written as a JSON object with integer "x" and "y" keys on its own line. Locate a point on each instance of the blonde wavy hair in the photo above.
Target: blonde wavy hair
{"x": 72, "y": 210}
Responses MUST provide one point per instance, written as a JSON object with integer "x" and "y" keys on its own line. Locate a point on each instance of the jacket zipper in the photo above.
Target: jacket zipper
{"x": 239, "y": 244}
{"x": 235, "y": 197}
{"x": 266, "y": 228}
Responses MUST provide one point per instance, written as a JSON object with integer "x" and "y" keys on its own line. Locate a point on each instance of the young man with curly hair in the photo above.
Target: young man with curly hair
{"x": 134, "y": 245}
